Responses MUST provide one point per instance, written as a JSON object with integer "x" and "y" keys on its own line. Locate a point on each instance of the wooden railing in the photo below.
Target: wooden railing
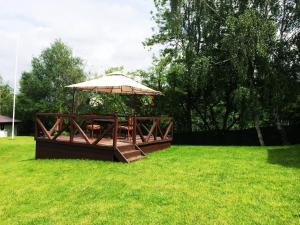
{"x": 151, "y": 129}
{"x": 69, "y": 127}
{"x": 51, "y": 126}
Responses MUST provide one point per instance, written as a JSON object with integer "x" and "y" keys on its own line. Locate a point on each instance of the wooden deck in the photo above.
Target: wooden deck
{"x": 66, "y": 137}
{"x": 106, "y": 141}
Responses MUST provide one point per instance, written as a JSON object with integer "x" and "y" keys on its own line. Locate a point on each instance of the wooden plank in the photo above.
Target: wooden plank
{"x": 119, "y": 155}
{"x": 81, "y": 131}
{"x": 146, "y": 128}
{"x": 151, "y": 130}
{"x": 45, "y": 131}
{"x": 161, "y": 133}
{"x": 72, "y": 132}
{"x": 35, "y": 130}
{"x": 172, "y": 130}
{"x": 140, "y": 132}
{"x": 115, "y": 132}
{"x": 64, "y": 126}
{"x": 103, "y": 134}
{"x": 138, "y": 148}
{"x": 168, "y": 130}
{"x": 134, "y": 130}
{"x": 67, "y": 150}
{"x": 147, "y": 148}
{"x": 155, "y": 133}
{"x": 55, "y": 125}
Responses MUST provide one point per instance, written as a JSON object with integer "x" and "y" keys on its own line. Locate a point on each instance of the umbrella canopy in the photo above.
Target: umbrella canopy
{"x": 115, "y": 83}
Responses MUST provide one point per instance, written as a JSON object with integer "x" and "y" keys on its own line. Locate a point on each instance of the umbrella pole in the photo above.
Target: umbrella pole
{"x": 73, "y": 101}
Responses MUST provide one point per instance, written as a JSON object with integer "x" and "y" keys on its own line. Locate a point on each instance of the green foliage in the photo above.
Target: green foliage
{"x": 249, "y": 38}
{"x": 223, "y": 65}
{"x": 249, "y": 41}
{"x": 200, "y": 73}
{"x": 181, "y": 185}
{"x": 214, "y": 52}
{"x": 6, "y": 99}
{"x": 43, "y": 89}
{"x": 103, "y": 103}
{"x": 114, "y": 69}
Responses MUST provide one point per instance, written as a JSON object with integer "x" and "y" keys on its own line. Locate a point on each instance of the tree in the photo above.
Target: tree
{"x": 286, "y": 67}
{"x": 223, "y": 57}
{"x": 43, "y": 89}
{"x": 6, "y": 98}
{"x": 191, "y": 32}
{"x": 249, "y": 40}
{"x": 114, "y": 69}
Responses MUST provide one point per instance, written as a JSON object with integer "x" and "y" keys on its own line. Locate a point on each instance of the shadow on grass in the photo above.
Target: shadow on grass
{"x": 288, "y": 156}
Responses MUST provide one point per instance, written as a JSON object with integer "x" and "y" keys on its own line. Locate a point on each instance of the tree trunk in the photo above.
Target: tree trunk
{"x": 259, "y": 134}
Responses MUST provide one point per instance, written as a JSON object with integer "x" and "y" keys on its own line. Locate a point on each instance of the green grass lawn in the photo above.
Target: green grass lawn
{"x": 181, "y": 185}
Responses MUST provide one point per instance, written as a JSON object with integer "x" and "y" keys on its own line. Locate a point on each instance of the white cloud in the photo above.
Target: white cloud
{"x": 103, "y": 33}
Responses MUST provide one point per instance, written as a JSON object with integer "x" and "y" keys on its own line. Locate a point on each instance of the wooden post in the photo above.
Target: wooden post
{"x": 36, "y": 129}
{"x": 92, "y": 131}
{"x": 73, "y": 101}
{"x": 169, "y": 128}
{"x": 45, "y": 131}
{"x": 71, "y": 130}
{"x": 155, "y": 133}
{"x": 115, "y": 131}
{"x": 172, "y": 131}
{"x": 61, "y": 121}
{"x": 134, "y": 130}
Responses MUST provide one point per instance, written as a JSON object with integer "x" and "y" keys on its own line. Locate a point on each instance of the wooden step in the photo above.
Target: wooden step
{"x": 135, "y": 158}
{"x": 131, "y": 153}
{"x": 126, "y": 148}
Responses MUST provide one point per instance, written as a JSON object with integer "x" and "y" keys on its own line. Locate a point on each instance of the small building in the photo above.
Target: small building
{"x": 6, "y": 126}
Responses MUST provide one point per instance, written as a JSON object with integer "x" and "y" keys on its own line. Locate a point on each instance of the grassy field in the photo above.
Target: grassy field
{"x": 181, "y": 185}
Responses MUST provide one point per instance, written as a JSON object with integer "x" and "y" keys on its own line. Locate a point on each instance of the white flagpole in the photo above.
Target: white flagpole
{"x": 15, "y": 86}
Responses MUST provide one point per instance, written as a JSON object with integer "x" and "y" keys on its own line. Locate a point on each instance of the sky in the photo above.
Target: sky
{"x": 104, "y": 33}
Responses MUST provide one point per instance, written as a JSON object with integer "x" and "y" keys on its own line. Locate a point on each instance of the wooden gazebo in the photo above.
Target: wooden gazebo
{"x": 100, "y": 137}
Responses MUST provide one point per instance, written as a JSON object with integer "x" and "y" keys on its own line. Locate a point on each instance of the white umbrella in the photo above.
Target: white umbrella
{"x": 115, "y": 83}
